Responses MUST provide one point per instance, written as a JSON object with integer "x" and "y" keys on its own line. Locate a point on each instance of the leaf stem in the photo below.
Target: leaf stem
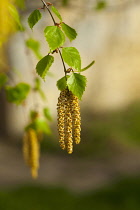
{"x": 65, "y": 71}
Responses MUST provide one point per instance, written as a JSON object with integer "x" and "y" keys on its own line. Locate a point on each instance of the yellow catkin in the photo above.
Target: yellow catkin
{"x": 26, "y": 149}
{"x": 31, "y": 151}
{"x": 68, "y": 124}
{"x": 76, "y": 118}
{"x": 61, "y": 119}
{"x": 69, "y": 120}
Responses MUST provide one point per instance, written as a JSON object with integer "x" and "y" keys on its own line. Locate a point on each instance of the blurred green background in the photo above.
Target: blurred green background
{"x": 123, "y": 195}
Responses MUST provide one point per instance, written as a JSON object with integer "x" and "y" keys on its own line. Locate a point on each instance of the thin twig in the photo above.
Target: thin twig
{"x": 49, "y": 11}
{"x": 65, "y": 71}
{"x": 63, "y": 63}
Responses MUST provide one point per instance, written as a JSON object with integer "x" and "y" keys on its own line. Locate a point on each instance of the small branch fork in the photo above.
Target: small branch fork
{"x": 45, "y": 5}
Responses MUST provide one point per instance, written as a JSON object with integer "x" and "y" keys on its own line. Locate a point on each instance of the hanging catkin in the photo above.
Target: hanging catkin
{"x": 69, "y": 120}
{"x": 31, "y": 151}
{"x": 76, "y": 118}
{"x": 61, "y": 118}
{"x": 68, "y": 124}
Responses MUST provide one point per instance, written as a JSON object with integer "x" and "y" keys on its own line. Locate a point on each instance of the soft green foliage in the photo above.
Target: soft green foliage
{"x": 38, "y": 88}
{"x": 34, "y": 17}
{"x": 47, "y": 113}
{"x": 76, "y": 84}
{"x": 70, "y": 32}
{"x": 72, "y": 57}
{"x": 123, "y": 194}
{"x": 14, "y": 13}
{"x": 39, "y": 125}
{"x": 101, "y": 4}
{"x": 34, "y": 45}
{"x": 33, "y": 115}
{"x": 18, "y": 93}
{"x": 37, "y": 84}
{"x": 87, "y": 67}
{"x": 3, "y": 79}
{"x": 55, "y": 11}
{"x": 61, "y": 83}
{"x": 54, "y": 36}
{"x": 43, "y": 65}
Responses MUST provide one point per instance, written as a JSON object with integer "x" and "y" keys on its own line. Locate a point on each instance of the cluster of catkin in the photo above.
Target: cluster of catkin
{"x": 31, "y": 151}
{"x": 69, "y": 120}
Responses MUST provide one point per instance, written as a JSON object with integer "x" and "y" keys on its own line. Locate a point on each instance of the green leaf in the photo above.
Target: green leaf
{"x": 42, "y": 94}
{"x": 47, "y": 113}
{"x": 34, "y": 17}
{"x": 101, "y": 4}
{"x": 15, "y": 15}
{"x": 37, "y": 84}
{"x": 18, "y": 93}
{"x": 39, "y": 125}
{"x": 72, "y": 57}
{"x": 38, "y": 88}
{"x": 3, "y": 79}
{"x": 55, "y": 11}
{"x": 34, "y": 46}
{"x": 61, "y": 83}
{"x": 76, "y": 84}
{"x": 70, "y": 32}
{"x": 87, "y": 67}
{"x": 54, "y": 36}
{"x": 34, "y": 115}
{"x": 43, "y": 65}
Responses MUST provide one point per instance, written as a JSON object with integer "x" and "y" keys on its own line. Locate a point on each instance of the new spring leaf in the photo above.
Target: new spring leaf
{"x": 39, "y": 125}
{"x": 87, "y": 67}
{"x": 61, "y": 83}
{"x": 38, "y": 88}
{"x": 47, "y": 113}
{"x": 76, "y": 84}
{"x": 70, "y": 32}
{"x": 72, "y": 57}
{"x": 43, "y": 65}
{"x": 55, "y": 11}
{"x": 54, "y": 36}
{"x": 34, "y": 45}
{"x": 34, "y": 17}
{"x": 18, "y": 93}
